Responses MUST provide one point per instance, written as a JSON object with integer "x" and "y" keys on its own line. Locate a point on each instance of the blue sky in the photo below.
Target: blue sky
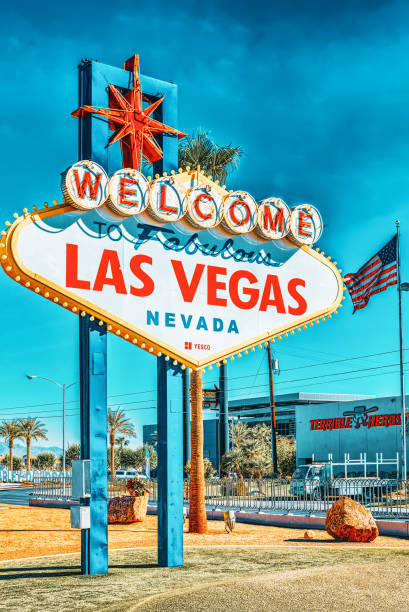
{"x": 317, "y": 96}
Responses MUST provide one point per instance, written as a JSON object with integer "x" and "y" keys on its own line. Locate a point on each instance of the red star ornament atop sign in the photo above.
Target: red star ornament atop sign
{"x": 133, "y": 125}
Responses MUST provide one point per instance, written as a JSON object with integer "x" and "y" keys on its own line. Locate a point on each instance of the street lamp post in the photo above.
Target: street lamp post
{"x": 64, "y": 388}
{"x": 273, "y": 368}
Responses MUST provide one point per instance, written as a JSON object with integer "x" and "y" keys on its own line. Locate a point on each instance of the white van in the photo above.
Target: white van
{"x": 129, "y": 474}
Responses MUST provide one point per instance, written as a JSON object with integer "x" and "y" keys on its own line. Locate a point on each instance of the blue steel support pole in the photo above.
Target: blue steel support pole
{"x": 94, "y": 134}
{"x": 186, "y": 417}
{"x": 93, "y": 382}
{"x": 93, "y": 360}
{"x": 170, "y": 395}
{"x": 170, "y": 464}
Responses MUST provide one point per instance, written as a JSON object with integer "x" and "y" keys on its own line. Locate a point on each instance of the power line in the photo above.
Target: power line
{"x": 42, "y": 405}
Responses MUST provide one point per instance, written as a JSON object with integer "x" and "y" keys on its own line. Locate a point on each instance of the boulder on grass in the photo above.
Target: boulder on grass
{"x": 350, "y": 521}
{"x": 127, "y": 509}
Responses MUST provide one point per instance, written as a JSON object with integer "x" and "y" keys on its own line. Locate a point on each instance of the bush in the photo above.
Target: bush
{"x": 73, "y": 453}
{"x": 140, "y": 456}
{"x": 18, "y": 463}
{"x": 45, "y": 461}
{"x": 136, "y": 487}
{"x": 128, "y": 458}
{"x": 286, "y": 456}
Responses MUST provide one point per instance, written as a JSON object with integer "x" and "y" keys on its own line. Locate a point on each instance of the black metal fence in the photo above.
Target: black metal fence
{"x": 386, "y": 498}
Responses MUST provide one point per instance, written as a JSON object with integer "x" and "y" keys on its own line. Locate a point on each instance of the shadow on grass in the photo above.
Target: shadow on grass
{"x": 320, "y": 541}
{"x": 134, "y": 566}
{"x": 22, "y": 574}
{"x": 4, "y": 570}
{"x": 34, "y": 530}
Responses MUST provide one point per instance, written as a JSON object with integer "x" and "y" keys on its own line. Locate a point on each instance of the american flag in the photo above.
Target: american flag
{"x": 379, "y": 273}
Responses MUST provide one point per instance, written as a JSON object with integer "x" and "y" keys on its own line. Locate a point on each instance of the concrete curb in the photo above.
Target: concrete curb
{"x": 398, "y": 529}
{"x": 52, "y": 503}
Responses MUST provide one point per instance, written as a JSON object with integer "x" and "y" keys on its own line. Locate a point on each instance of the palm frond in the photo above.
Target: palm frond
{"x": 201, "y": 150}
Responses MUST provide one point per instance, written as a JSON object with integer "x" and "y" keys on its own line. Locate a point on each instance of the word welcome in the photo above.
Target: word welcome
{"x": 192, "y": 197}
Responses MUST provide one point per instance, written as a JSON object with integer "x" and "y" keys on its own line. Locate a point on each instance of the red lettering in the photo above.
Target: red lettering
{"x": 378, "y": 420}
{"x": 269, "y": 222}
{"x": 301, "y": 303}
{"x": 188, "y": 290}
{"x": 147, "y": 283}
{"x": 397, "y": 419}
{"x": 385, "y": 419}
{"x": 87, "y": 183}
{"x": 234, "y": 290}
{"x": 348, "y": 423}
{"x": 312, "y": 424}
{"x": 235, "y": 220}
{"x": 71, "y": 269}
{"x": 123, "y": 192}
{"x": 371, "y": 421}
{"x": 196, "y": 206}
{"x": 272, "y": 282}
{"x": 110, "y": 259}
{"x": 213, "y": 286}
{"x": 302, "y": 224}
{"x": 162, "y": 206}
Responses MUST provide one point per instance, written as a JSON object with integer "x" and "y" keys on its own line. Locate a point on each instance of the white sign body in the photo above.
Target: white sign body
{"x": 196, "y": 295}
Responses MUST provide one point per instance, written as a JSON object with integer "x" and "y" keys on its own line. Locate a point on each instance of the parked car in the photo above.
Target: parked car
{"x": 315, "y": 481}
{"x": 126, "y": 474}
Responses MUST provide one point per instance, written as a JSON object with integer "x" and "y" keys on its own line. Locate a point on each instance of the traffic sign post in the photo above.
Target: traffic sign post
{"x": 211, "y": 398}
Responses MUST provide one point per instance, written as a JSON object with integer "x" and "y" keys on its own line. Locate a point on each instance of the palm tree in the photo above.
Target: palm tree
{"x": 255, "y": 458}
{"x": 213, "y": 160}
{"x": 118, "y": 423}
{"x": 10, "y": 430}
{"x": 197, "y": 508}
{"x": 232, "y": 461}
{"x": 31, "y": 429}
{"x": 239, "y": 432}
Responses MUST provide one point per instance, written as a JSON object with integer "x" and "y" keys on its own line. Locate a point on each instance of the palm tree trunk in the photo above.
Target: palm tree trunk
{"x": 28, "y": 453}
{"x": 197, "y": 508}
{"x": 11, "y": 455}
{"x": 112, "y": 438}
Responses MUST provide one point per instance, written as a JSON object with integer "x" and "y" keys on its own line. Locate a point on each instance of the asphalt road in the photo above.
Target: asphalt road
{"x": 18, "y": 497}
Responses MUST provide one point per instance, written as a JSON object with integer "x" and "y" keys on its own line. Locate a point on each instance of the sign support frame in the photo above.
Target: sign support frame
{"x": 93, "y": 133}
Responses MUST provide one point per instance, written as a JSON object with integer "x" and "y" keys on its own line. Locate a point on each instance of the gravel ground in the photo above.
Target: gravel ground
{"x": 213, "y": 579}
{"x": 376, "y": 587}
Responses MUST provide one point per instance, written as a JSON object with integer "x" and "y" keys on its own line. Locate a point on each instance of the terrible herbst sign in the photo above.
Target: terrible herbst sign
{"x": 176, "y": 265}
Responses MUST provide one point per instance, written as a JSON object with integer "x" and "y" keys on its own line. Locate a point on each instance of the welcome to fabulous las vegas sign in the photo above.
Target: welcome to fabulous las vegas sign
{"x": 177, "y": 265}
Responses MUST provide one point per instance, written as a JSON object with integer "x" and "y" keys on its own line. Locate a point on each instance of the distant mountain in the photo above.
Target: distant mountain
{"x": 19, "y": 449}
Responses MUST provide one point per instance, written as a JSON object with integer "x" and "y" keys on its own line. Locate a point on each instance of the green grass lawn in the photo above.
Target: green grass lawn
{"x": 221, "y": 573}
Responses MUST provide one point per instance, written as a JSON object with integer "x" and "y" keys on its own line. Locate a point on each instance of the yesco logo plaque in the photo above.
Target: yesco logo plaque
{"x": 176, "y": 265}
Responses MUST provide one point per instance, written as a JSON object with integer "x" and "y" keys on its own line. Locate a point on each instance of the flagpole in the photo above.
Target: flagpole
{"x": 402, "y": 376}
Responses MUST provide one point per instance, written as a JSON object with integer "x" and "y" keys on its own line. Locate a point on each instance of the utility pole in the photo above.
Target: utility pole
{"x": 402, "y": 376}
{"x": 223, "y": 412}
{"x": 273, "y": 411}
